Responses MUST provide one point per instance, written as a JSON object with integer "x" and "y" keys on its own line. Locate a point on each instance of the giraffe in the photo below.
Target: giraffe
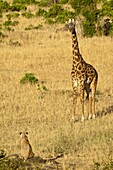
{"x": 83, "y": 75}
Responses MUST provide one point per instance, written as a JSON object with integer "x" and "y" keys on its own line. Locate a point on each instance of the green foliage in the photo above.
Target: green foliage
{"x": 10, "y": 23}
{"x": 7, "y": 23}
{"x": 107, "y": 9}
{"x": 54, "y": 11}
{"x": 91, "y": 16}
{"x": 8, "y": 28}
{"x": 63, "y": 1}
{"x": 24, "y": 1}
{"x": 89, "y": 22}
{"x": 18, "y": 7}
{"x": 80, "y": 5}
{"x": 50, "y": 21}
{"x": 44, "y": 3}
{"x": 29, "y": 78}
{"x": 12, "y": 15}
{"x": 64, "y": 16}
{"x": 41, "y": 12}
{"x": 27, "y": 14}
{"x": 0, "y": 13}
{"x": 88, "y": 29}
{"x": 4, "y": 6}
{"x": 57, "y": 14}
{"x": 1, "y": 34}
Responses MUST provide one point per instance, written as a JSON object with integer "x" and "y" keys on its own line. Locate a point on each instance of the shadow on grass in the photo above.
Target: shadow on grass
{"x": 14, "y": 162}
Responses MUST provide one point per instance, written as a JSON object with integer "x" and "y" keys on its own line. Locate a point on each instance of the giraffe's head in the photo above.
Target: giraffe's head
{"x": 70, "y": 25}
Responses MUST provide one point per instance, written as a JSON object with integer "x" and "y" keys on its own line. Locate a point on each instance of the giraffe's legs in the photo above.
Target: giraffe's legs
{"x": 74, "y": 101}
{"x": 82, "y": 101}
{"x": 92, "y": 100}
{"x": 90, "y": 106}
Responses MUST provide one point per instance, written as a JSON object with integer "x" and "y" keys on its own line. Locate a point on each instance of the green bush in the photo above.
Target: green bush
{"x": 12, "y": 15}
{"x": 54, "y": 11}
{"x": 24, "y": 1}
{"x": 107, "y": 9}
{"x": 91, "y": 16}
{"x": 88, "y": 29}
{"x": 50, "y": 21}
{"x": 29, "y": 78}
{"x": 18, "y": 7}
{"x": 44, "y": 3}
{"x": 4, "y": 6}
{"x": 10, "y": 23}
{"x": 8, "y": 28}
{"x": 63, "y": 1}
{"x": 1, "y": 34}
{"x": 64, "y": 16}
{"x": 0, "y": 13}
{"x": 80, "y": 5}
{"x": 57, "y": 14}
{"x": 27, "y": 14}
{"x": 41, "y": 12}
{"x": 7, "y": 23}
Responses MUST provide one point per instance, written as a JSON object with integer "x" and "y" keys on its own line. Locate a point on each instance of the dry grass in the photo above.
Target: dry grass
{"x": 47, "y": 118}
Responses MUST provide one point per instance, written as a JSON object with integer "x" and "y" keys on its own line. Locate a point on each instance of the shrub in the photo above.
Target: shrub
{"x": 91, "y": 16}
{"x": 64, "y": 16}
{"x": 54, "y": 11}
{"x": 44, "y": 3}
{"x": 41, "y": 12}
{"x": 107, "y": 9}
{"x": 57, "y": 14}
{"x": 18, "y": 7}
{"x": 1, "y": 34}
{"x": 0, "y": 13}
{"x": 24, "y": 1}
{"x": 10, "y": 23}
{"x": 29, "y": 78}
{"x": 63, "y": 1}
{"x": 88, "y": 29}
{"x": 27, "y": 14}
{"x": 4, "y": 6}
{"x": 12, "y": 15}
{"x": 7, "y": 23}
{"x": 9, "y": 28}
{"x": 50, "y": 21}
{"x": 81, "y": 5}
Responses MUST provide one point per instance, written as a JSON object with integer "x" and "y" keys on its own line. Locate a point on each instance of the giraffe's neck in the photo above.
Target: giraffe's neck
{"x": 75, "y": 49}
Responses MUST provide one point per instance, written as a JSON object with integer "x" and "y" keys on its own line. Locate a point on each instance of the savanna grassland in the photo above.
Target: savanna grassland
{"x": 46, "y": 115}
